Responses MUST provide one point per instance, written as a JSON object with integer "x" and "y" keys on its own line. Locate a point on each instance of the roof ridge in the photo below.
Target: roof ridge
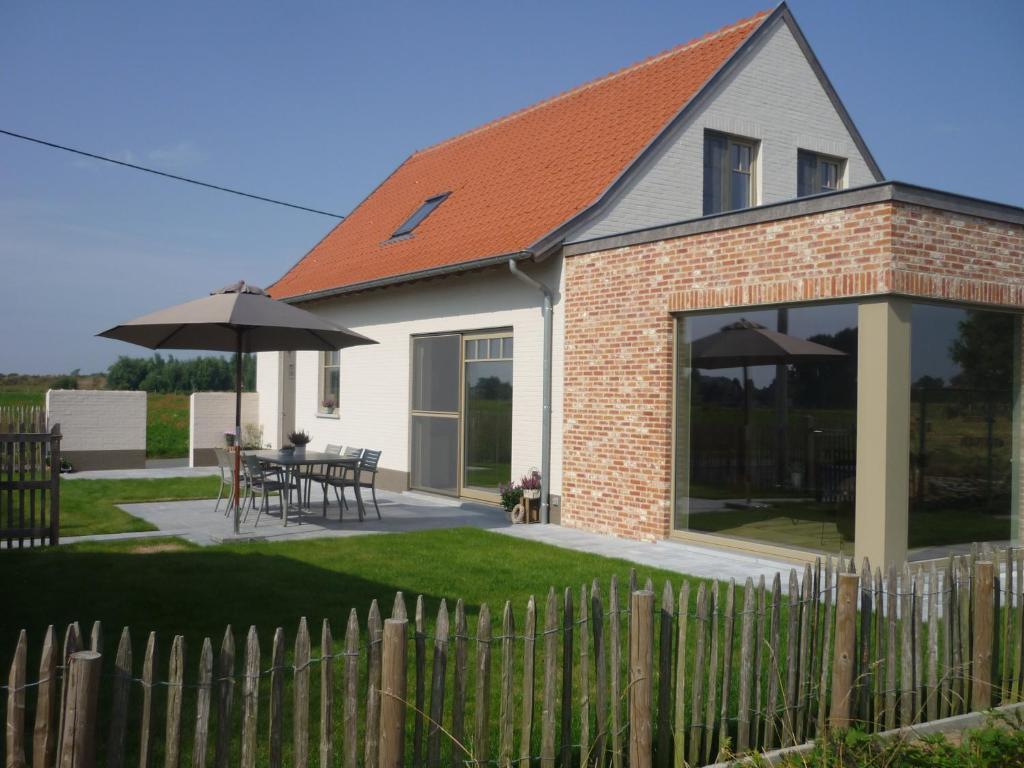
{"x": 705, "y": 38}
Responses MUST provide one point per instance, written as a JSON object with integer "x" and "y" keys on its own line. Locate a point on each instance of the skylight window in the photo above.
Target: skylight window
{"x": 419, "y": 215}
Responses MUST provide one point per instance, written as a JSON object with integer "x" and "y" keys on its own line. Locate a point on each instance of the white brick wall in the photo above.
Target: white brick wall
{"x": 774, "y": 96}
{"x": 98, "y": 420}
{"x": 211, "y": 414}
{"x": 375, "y": 380}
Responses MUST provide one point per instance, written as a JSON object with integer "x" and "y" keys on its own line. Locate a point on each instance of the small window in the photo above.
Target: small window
{"x": 419, "y": 215}
{"x": 817, "y": 174}
{"x": 330, "y": 381}
{"x": 729, "y": 164}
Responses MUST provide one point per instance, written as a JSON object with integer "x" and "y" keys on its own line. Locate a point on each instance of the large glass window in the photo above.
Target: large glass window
{"x": 963, "y": 367}
{"x": 817, "y": 174}
{"x": 766, "y": 411}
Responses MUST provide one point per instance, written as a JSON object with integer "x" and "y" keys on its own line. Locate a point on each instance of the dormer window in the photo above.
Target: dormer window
{"x": 419, "y": 215}
{"x": 729, "y": 163}
{"x": 817, "y": 174}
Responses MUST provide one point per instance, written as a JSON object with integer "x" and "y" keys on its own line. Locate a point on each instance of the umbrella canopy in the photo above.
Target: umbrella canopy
{"x": 239, "y": 318}
{"x": 745, "y": 343}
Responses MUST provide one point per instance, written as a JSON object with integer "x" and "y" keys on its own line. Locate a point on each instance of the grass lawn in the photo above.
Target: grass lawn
{"x": 166, "y": 426}
{"x": 88, "y": 506}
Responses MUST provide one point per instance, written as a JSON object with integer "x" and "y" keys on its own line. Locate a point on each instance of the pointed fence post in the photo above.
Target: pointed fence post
{"x": 393, "y": 694}
{"x": 641, "y": 673}
{"x": 845, "y": 651}
{"x": 77, "y": 747}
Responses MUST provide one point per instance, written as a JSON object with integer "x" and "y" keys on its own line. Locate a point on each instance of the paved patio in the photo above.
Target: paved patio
{"x": 198, "y": 522}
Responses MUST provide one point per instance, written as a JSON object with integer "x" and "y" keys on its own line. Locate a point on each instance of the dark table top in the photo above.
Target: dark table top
{"x": 288, "y": 459}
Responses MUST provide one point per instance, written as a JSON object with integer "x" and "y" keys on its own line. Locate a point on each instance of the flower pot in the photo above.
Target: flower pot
{"x": 531, "y": 493}
{"x": 229, "y": 439}
{"x": 300, "y": 450}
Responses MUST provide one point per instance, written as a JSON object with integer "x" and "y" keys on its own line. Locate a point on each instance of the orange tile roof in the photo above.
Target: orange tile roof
{"x": 516, "y": 179}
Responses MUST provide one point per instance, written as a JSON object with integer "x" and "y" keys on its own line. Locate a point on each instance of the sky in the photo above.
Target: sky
{"x": 315, "y": 103}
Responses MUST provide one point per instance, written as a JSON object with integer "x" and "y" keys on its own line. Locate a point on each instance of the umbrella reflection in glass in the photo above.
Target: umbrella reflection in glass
{"x": 744, "y": 344}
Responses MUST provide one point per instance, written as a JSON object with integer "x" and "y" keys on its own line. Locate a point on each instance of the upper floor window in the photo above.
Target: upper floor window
{"x": 729, "y": 164}
{"x": 817, "y": 173}
{"x": 330, "y": 381}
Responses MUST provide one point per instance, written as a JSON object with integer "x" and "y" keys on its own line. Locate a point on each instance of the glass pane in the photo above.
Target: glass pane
{"x": 488, "y": 425}
{"x": 807, "y": 174}
{"x": 471, "y": 349}
{"x": 435, "y": 451}
{"x": 714, "y": 165}
{"x": 739, "y": 191}
{"x": 829, "y": 176}
{"x": 435, "y": 373}
{"x": 495, "y": 349}
{"x": 767, "y": 451}
{"x": 962, "y": 427}
{"x": 741, "y": 158}
{"x": 507, "y": 349}
{"x": 333, "y": 388}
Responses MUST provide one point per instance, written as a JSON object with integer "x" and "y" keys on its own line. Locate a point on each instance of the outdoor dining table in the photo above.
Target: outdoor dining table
{"x": 295, "y": 463}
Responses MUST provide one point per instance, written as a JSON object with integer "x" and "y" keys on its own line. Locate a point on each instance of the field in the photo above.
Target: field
{"x": 166, "y": 419}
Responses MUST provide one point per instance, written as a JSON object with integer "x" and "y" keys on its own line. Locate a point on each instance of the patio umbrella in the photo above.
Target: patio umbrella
{"x": 238, "y": 318}
{"x": 746, "y": 343}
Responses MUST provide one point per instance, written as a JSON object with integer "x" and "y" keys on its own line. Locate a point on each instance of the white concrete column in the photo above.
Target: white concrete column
{"x": 883, "y": 431}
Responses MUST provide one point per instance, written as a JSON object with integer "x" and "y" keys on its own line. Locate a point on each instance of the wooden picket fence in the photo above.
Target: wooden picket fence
{"x": 707, "y": 672}
{"x": 29, "y": 478}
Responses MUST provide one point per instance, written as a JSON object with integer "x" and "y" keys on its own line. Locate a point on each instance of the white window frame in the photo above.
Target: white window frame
{"x": 328, "y": 361}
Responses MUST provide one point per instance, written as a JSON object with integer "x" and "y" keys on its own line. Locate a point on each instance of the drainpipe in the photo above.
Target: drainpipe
{"x": 545, "y": 438}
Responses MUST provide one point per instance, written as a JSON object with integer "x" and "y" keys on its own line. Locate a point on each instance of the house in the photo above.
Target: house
{"x": 685, "y": 293}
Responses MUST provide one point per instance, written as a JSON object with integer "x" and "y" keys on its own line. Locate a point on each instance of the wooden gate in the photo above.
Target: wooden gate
{"x": 29, "y": 479}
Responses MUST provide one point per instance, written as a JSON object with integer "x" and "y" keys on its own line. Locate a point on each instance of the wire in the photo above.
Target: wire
{"x": 166, "y": 175}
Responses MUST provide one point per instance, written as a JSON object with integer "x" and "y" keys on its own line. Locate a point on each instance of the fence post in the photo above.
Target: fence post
{"x": 393, "y": 694}
{"x": 641, "y": 654}
{"x": 55, "y": 485}
{"x": 845, "y": 651}
{"x": 77, "y": 739}
{"x": 984, "y": 615}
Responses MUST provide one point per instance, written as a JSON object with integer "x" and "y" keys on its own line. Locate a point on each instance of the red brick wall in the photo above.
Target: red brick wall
{"x": 617, "y": 460}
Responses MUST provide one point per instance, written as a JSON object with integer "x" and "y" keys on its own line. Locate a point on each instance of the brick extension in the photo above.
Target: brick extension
{"x": 617, "y": 464}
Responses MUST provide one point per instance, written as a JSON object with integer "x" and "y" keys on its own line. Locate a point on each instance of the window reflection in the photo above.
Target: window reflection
{"x": 766, "y": 418}
{"x": 961, "y": 426}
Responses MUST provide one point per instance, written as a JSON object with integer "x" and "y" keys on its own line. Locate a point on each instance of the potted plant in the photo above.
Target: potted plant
{"x": 229, "y": 439}
{"x": 511, "y": 495}
{"x": 300, "y": 440}
{"x": 530, "y": 483}
{"x": 328, "y": 404}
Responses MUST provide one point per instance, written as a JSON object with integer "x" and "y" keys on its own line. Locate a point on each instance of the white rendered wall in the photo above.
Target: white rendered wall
{"x": 98, "y": 420}
{"x": 774, "y": 96}
{"x": 375, "y": 380}
{"x": 268, "y": 385}
{"x": 211, "y": 414}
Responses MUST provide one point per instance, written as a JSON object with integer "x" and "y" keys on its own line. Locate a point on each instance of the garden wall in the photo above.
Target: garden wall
{"x": 211, "y": 414}
{"x": 101, "y": 429}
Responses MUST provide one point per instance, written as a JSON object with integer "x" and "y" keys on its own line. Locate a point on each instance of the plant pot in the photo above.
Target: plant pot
{"x": 531, "y": 493}
{"x": 229, "y": 440}
{"x": 300, "y": 450}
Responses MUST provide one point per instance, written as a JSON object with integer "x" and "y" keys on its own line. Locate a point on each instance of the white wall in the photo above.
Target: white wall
{"x": 211, "y": 414}
{"x": 375, "y": 380}
{"x": 774, "y": 96}
{"x": 98, "y": 420}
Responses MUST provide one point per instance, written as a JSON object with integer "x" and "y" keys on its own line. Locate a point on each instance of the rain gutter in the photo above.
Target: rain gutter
{"x": 545, "y": 439}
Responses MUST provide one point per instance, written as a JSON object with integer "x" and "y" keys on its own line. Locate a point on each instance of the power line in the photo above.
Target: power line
{"x": 166, "y": 175}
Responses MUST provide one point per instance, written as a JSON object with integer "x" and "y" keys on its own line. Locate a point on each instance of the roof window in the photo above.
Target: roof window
{"x": 419, "y": 215}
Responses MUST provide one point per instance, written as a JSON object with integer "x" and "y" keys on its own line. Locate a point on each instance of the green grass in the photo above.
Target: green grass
{"x": 89, "y": 506}
{"x": 21, "y": 399}
{"x": 166, "y": 426}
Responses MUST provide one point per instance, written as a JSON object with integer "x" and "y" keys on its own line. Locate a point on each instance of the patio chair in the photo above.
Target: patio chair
{"x": 319, "y": 472}
{"x": 264, "y": 480}
{"x": 367, "y": 478}
{"x": 226, "y": 465}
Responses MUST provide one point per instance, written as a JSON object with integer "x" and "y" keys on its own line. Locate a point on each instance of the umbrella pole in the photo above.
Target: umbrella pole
{"x": 238, "y": 427}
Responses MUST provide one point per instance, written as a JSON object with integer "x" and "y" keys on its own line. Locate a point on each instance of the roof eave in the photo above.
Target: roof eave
{"x": 409, "y": 277}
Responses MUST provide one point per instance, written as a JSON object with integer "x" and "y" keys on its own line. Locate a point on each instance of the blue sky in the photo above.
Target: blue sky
{"x": 316, "y": 102}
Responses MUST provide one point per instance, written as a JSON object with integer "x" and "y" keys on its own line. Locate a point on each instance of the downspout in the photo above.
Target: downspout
{"x": 545, "y": 438}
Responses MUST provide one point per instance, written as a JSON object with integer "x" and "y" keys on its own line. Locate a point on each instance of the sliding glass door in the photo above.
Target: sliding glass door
{"x": 487, "y": 420}
{"x": 461, "y": 423}
{"x": 434, "y": 430}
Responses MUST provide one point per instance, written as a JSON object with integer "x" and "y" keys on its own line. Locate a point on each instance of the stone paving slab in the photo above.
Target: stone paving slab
{"x": 196, "y": 521}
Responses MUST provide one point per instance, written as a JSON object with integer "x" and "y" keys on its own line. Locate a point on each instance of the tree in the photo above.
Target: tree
{"x": 984, "y": 350}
